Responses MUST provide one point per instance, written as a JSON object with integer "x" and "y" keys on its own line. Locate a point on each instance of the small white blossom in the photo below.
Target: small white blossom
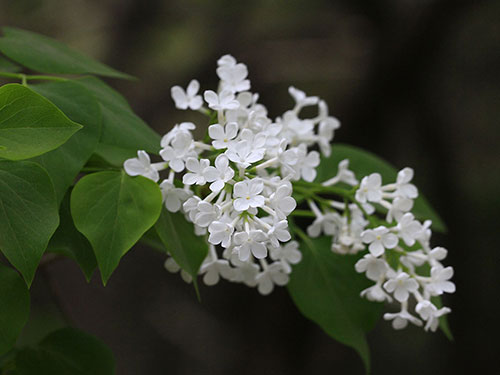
{"x": 266, "y": 279}
{"x": 370, "y": 189}
{"x": 248, "y": 194}
{"x": 224, "y": 100}
{"x": 430, "y": 313}
{"x": 220, "y": 174}
{"x": 222, "y": 136}
{"x": 189, "y": 98}
{"x": 173, "y": 196}
{"x": 141, "y": 166}
{"x": 440, "y": 283}
{"x": 401, "y": 285}
{"x": 379, "y": 239}
{"x": 375, "y": 268}
{"x": 196, "y": 170}
{"x": 400, "y": 320}
{"x": 250, "y": 243}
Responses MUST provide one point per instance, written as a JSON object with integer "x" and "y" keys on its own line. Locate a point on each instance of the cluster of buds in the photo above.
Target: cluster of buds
{"x": 236, "y": 188}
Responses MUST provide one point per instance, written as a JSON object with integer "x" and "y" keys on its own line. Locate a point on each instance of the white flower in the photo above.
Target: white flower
{"x": 215, "y": 268}
{"x": 172, "y": 266}
{"x": 191, "y": 207}
{"x": 250, "y": 243}
{"x": 220, "y": 174}
{"x": 376, "y": 294}
{"x": 197, "y": 170}
{"x": 220, "y": 233}
{"x": 181, "y": 149}
{"x": 379, "y": 239}
{"x": 287, "y": 254}
{"x": 183, "y": 127}
{"x": 345, "y": 175}
{"x": 245, "y": 272}
{"x": 370, "y": 189}
{"x": 222, "y": 101}
{"x": 266, "y": 279}
{"x": 279, "y": 233}
{"x": 409, "y": 229}
{"x": 430, "y": 314}
{"x": 403, "y": 187}
{"x": 306, "y": 164}
{"x": 141, "y": 166}
{"x": 206, "y": 214}
{"x": 281, "y": 201}
{"x": 226, "y": 60}
{"x": 439, "y": 283}
{"x": 327, "y": 223}
{"x": 247, "y": 194}
{"x": 222, "y": 136}
{"x": 301, "y": 99}
{"x": 243, "y": 154}
{"x": 375, "y": 268}
{"x": 189, "y": 98}
{"x": 233, "y": 77}
{"x": 401, "y": 285}
{"x": 173, "y": 196}
{"x": 400, "y": 320}
{"x": 398, "y": 208}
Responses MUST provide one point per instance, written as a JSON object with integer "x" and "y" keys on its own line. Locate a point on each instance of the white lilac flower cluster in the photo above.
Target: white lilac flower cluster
{"x": 400, "y": 259}
{"x": 237, "y": 186}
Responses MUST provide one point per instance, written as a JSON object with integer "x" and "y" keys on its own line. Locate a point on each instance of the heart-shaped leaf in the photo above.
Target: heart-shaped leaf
{"x": 30, "y": 125}
{"x": 325, "y": 288}
{"x": 28, "y": 214}
{"x": 113, "y": 210}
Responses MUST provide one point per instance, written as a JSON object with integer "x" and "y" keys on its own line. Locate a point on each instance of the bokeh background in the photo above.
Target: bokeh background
{"x": 415, "y": 81}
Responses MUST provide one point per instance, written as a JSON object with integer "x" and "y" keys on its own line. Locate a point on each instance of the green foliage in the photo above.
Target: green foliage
{"x": 8, "y": 66}
{"x": 113, "y": 210}
{"x": 69, "y": 242}
{"x": 64, "y": 163}
{"x": 123, "y": 132}
{"x": 47, "y": 55}
{"x": 363, "y": 163}
{"x": 177, "y": 234}
{"x": 325, "y": 288}
{"x": 14, "y": 307}
{"x": 65, "y": 352}
{"x": 30, "y": 125}
{"x": 28, "y": 214}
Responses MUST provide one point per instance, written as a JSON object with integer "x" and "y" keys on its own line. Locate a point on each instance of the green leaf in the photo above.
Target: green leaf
{"x": 47, "y": 55}
{"x": 177, "y": 234}
{"x": 69, "y": 242}
{"x": 64, "y": 163}
{"x": 363, "y": 163}
{"x": 123, "y": 132}
{"x": 66, "y": 352}
{"x": 28, "y": 214}
{"x": 30, "y": 125}
{"x": 8, "y": 66}
{"x": 14, "y": 309}
{"x": 113, "y": 210}
{"x": 325, "y": 288}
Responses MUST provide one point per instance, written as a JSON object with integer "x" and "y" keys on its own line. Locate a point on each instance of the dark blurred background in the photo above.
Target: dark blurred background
{"x": 415, "y": 81}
